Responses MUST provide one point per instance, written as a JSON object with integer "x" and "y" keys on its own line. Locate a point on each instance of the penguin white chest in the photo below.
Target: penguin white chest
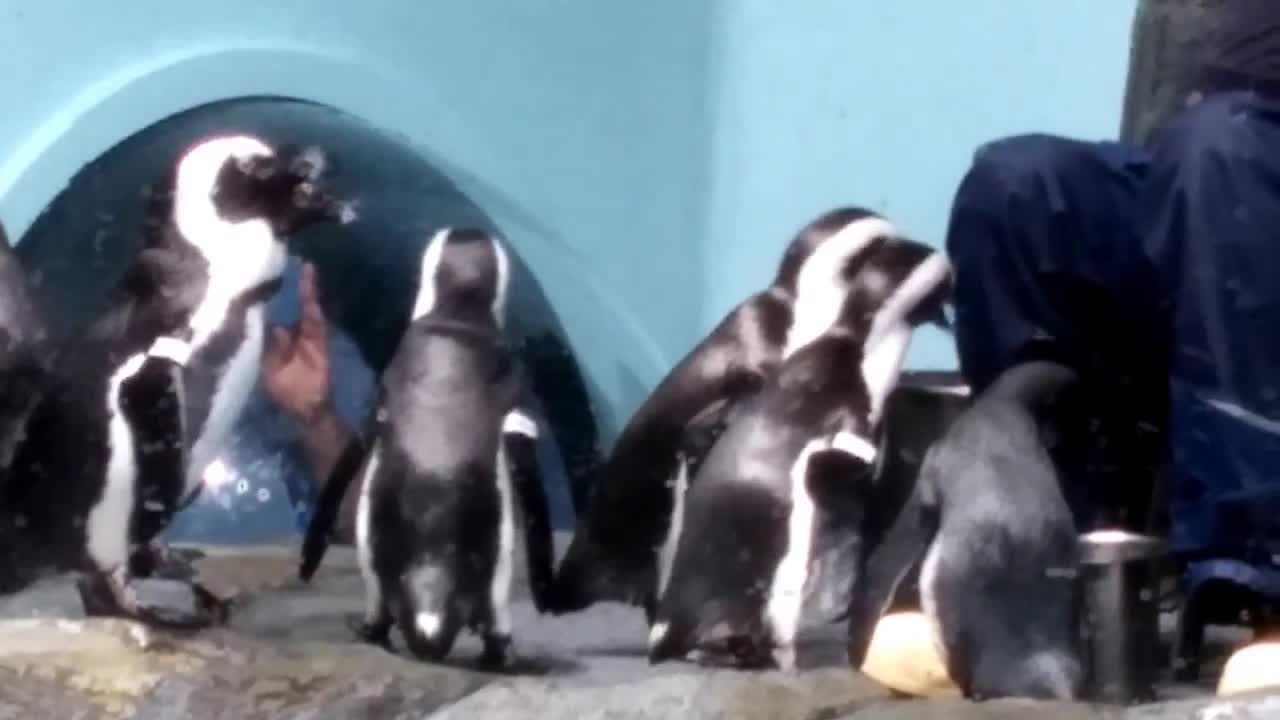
{"x": 230, "y": 395}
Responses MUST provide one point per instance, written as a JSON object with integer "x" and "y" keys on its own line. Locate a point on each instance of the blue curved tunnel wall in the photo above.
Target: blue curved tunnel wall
{"x": 646, "y": 160}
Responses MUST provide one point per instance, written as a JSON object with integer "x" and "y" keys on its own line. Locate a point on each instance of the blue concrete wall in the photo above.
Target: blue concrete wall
{"x": 647, "y": 159}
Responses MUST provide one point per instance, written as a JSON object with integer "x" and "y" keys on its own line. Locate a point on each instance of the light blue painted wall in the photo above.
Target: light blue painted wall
{"x": 647, "y": 159}
{"x": 823, "y": 102}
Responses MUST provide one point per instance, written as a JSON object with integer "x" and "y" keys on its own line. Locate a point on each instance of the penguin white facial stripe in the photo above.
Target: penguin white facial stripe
{"x": 107, "y": 526}
{"x": 364, "y": 547}
{"x": 518, "y": 423}
{"x": 882, "y": 366}
{"x": 171, "y": 348}
{"x": 431, "y": 257}
{"x": 667, "y": 555}
{"x": 502, "y": 267}
{"x": 198, "y": 169}
{"x": 786, "y": 594}
{"x": 500, "y": 589}
{"x": 820, "y": 290}
{"x": 854, "y": 445}
{"x": 240, "y": 254}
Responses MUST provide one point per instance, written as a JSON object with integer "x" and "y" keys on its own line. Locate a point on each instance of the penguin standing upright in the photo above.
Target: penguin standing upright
{"x": 778, "y": 505}
{"x": 147, "y": 397}
{"x": 449, "y": 456}
{"x": 625, "y": 541}
{"x": 997, "y": 545}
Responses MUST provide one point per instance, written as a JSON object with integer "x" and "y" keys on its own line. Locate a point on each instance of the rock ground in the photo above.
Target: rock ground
{"x": 286, "y": 653}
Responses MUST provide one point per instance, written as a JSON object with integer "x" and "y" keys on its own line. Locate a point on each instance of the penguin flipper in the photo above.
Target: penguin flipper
{"x": 327, "y": 506}
{"x": 519, "y": 438}
{"x": 151, "y": 402}
{"x": 707, "y": 425}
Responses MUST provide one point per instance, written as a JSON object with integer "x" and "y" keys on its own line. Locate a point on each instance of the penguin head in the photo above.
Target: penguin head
{"x": 818, "y": 270}
{"x": 235, "y": 180}
{"x": 464, "y": 276}
{"x": 282, "y": 187}
{"x": 903, "y": 278}
{"x": 805, "y": 244}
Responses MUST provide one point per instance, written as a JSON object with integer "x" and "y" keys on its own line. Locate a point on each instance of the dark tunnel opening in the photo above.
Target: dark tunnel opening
{"x": 80, "y": 244}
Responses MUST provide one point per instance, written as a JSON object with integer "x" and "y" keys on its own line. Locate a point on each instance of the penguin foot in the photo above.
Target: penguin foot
{"x": 163, "y": 603}
{"x": 497, "y": 652}
{"x": 372, "y": 632}
{"x": 172, "y": 563}
{"x": 737, "y": 651}
{"x": 97, "y": 597}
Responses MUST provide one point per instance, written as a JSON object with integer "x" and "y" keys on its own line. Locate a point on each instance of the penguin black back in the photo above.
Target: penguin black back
{"x": 999, "y": 577}
{"x": 449, "y": 454}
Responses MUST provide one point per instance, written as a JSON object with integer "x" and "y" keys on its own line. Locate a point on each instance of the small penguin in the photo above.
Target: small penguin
{"x": 999, "y": 545}
{"x": 777, "y": 511}
{"x": 449, "y": 456}
{"x": 144, "y": 400}
{"x": 626, "y": 539}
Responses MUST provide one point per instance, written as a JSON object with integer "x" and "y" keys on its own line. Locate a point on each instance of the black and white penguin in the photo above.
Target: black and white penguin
{"x": 773, "y": 520}
{"x": 997, "y": 544}
{"x": 450, "y": 457}
{"x": 147, "y": 397}
{"x": 625, "y": 541}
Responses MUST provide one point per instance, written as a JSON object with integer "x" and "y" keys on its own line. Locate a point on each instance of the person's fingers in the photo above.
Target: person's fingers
{"x": 279, "y": 347}
{"x": 313, "y": 320}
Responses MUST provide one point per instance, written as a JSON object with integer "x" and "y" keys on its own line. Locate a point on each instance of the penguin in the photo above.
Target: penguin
{"x": 776, "y": 513}
{"x": 625, "y": 541}
{"x": 147, "y": 396}
{"x": 448, "y": 457}
{"x": 996, "y": 544}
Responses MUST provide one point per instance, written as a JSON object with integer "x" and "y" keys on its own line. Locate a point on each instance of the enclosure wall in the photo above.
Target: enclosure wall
{"x": 648, "y": 159}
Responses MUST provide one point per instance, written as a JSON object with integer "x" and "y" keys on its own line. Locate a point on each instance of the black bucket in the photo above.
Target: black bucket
{"x": 1120, "y": 582}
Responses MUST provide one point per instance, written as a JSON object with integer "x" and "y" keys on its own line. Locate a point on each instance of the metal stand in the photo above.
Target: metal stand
{"x": 1122, "y": 615}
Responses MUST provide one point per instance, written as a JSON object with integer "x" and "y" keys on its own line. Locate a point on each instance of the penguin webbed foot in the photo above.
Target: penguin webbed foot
{"x": 373, "y": 632}
{"x": 161, "y": 560}
{"x": 497, "y": 652}
{"x": 736, "y": 651}
{"x": 173, "y": 604}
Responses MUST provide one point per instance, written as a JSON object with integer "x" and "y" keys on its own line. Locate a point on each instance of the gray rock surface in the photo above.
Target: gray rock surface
{"x": 286, "y": 653}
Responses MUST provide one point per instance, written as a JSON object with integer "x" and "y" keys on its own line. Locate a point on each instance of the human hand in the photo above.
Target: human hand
{"x": 295, "y": 365}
